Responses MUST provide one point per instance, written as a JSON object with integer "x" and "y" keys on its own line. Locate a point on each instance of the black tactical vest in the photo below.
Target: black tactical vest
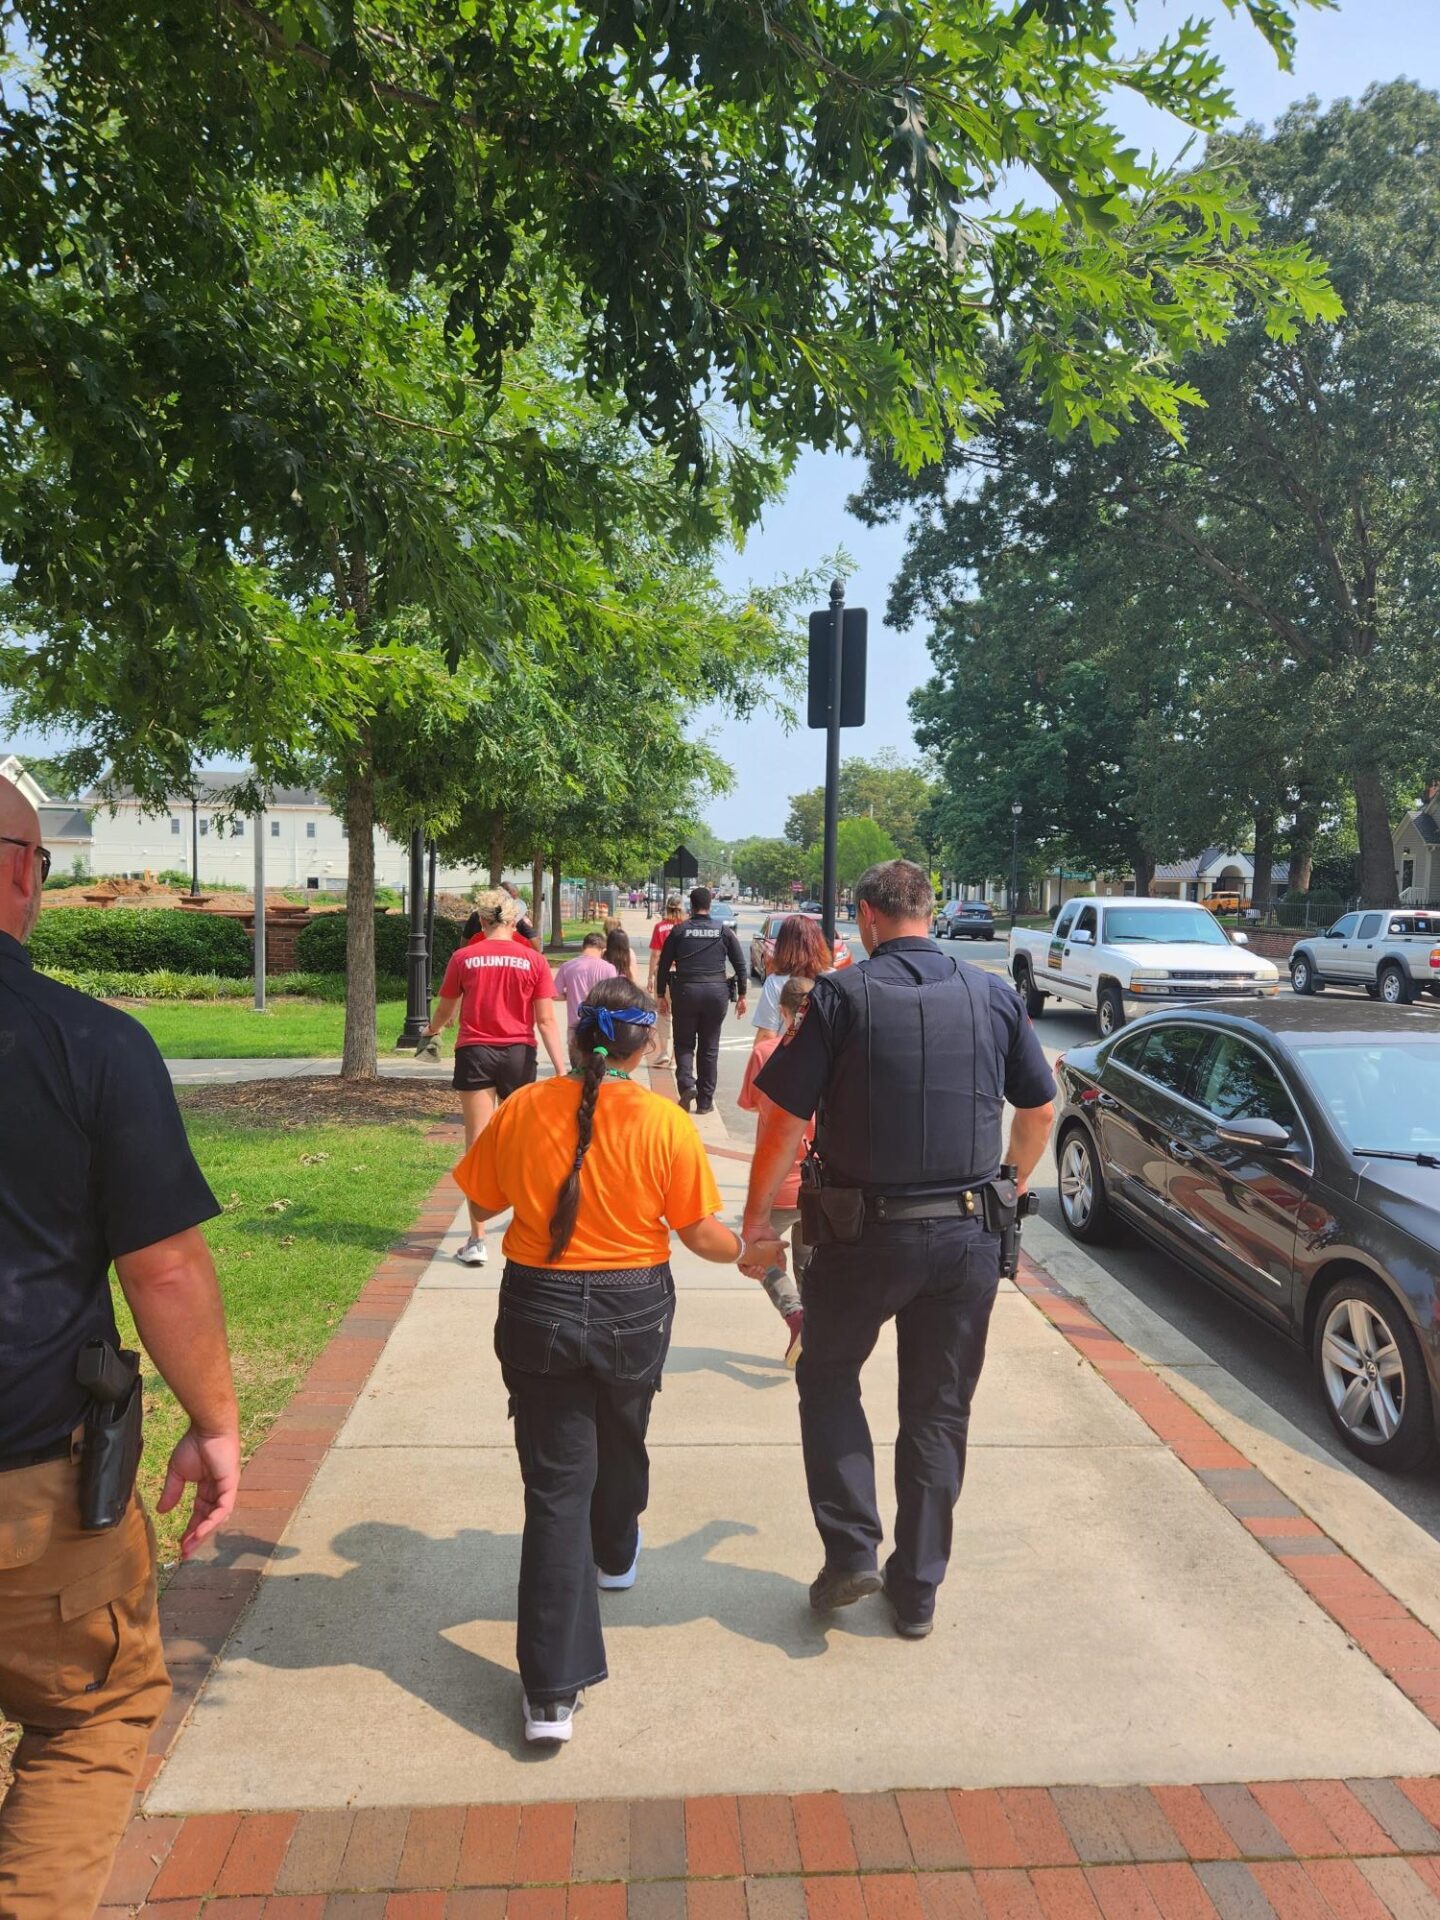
{"x": 917, "y": 1092}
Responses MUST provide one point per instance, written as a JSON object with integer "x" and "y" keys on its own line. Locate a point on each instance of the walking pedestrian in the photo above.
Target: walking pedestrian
{"x": 670, "y": 917}
{"x": 524, "y": 926}
{"x": 784, "y": 1292}
{"x": 909, "y": 1058}
{"x": 800, "y": 948}
{"x": 599, "y": 1172}
{"x": 504, "y": 992}
{"x": 575, "y": 978}
{"x": 696, "y": 954}
{"x": 617, "y": 952}
{"x": 95, "y": 1168}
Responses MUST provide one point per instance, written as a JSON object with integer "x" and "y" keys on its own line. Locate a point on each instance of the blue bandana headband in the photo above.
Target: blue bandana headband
{"x": 605, "y": 1019}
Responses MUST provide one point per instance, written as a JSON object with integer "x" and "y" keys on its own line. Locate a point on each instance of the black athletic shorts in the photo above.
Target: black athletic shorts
{"x": 499, "y": 1069}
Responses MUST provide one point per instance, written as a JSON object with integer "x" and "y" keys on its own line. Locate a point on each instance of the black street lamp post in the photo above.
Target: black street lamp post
{"x": 1015, "y": 812}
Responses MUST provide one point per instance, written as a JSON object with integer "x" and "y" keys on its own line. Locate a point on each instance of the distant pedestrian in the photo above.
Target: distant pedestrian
{"x": 785, "y": 1294}
{"x": 696, "y": 956}
{"x": 524, "y": 926}
{"x": 599, "y": 1172}
{"x": 504, "y": 992}
{"x": 617, "y": 952}
{"x": 576, "y": 977}
{"x": 671, "y": 916}
{"x": 800, "y": 947}
{"x": 95, "y": 1170}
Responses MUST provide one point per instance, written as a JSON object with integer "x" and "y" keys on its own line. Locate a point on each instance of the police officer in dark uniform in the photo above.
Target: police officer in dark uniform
{"x": 908, "y": 1059}
{"x": 94, "y": 1168}
{"x": 696, "y": 953}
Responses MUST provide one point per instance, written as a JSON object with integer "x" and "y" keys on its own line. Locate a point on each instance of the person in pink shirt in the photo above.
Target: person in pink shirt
{"x": 785, "y": 1214}
{"x": 576, "y": 977}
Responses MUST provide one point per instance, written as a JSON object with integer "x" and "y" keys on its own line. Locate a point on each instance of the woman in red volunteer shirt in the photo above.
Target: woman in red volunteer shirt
{"x": 504, "y": 993}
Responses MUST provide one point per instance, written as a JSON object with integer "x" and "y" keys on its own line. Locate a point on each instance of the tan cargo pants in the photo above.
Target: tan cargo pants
{"x": 82, "y": 1672}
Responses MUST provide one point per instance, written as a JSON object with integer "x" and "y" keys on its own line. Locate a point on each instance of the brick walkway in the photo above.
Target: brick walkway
{"x": 1296, "y": 1850}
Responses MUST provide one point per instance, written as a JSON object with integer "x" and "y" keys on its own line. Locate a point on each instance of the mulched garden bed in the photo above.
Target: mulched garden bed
{"x": 315, "y": 1099}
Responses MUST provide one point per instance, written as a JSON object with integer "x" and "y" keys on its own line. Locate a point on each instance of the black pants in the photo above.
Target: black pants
{"x": 581, "y": 1354}
{"x": 937, "y": 1280}
{"x": 699, "y": 1014}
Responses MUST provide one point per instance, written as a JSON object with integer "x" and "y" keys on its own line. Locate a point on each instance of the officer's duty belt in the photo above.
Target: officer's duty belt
{"x": 967, "y": 1204}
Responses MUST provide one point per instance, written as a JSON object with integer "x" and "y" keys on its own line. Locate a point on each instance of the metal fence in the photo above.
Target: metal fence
{"x": 1305, "y": 916}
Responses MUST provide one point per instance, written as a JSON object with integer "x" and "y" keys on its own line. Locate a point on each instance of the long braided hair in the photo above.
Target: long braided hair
{"x": 595, "y": 1051}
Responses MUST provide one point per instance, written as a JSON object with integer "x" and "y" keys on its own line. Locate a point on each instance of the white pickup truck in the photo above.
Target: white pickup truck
{"x": 1123, "y": 954}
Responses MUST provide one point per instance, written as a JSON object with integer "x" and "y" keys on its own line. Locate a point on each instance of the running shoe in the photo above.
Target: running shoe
{"x": 619, "y": 1582}
{"x": 473, "y": 1253}
{"x": 551, "y": 1720}
{"x": 796, "y": 1323}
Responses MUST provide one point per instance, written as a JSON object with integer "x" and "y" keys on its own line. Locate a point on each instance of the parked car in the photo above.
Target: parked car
{"x": 965, "y": 920}
{"x": 1290, "y": 1153}
{"x": 1394, "y": 953}
{"x": 811, "y": 906}
{"x": 1121, "y": 954}
{"x": 762, "y": 946}
{"x": 1227, "y": 903}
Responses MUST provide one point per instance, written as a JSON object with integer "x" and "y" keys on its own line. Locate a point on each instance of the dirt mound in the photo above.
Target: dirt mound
{"x": 312, "y": 1099}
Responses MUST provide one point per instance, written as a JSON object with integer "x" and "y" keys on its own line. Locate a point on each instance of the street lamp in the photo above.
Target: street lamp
{"x": 1015, "y": 812}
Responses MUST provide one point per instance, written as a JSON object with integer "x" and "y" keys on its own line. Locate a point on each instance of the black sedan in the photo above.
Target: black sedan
{"x": 1289, "y": 1152}
{"x": 965, "y": 920}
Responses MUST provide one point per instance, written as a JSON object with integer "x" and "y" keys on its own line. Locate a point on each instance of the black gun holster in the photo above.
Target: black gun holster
{"x": 114, "y": 1432}
{"x": 1005, "y": 1207}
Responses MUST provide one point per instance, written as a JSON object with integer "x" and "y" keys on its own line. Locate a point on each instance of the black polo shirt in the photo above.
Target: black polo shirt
{"x": 796, "y": 1075}
{"x": 94, "y": 1162}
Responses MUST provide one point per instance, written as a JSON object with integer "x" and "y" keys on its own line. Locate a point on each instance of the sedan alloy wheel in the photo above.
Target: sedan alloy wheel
{"x": 1372, "y": 1375}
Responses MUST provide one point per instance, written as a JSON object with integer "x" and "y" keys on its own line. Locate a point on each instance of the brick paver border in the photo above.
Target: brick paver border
{"x": 1269, "y": 1850}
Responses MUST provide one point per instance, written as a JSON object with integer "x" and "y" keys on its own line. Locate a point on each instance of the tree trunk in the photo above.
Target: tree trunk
{"x": 1144, "y": 873}
{"x": 1303, "y": 833}
{"x": 1377, "y": 846}
{"x": 359, "y": 1062}
{"x": 1261, "y": 887}
{"x": 557, "y": 904}
{"x": 497, "y": 850}
{"x": 537, "y": 897}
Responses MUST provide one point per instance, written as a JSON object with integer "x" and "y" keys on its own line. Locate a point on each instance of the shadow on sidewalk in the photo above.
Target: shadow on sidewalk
{"x": 752, "y": 1370}
{"x": 406, "y": 1605}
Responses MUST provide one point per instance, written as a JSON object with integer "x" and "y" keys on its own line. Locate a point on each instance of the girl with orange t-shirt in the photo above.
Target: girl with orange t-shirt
{"x": 599, "y": 1172}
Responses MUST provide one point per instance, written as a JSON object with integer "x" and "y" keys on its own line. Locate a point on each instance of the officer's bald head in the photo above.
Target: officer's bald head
{"x": 19, "y": 864}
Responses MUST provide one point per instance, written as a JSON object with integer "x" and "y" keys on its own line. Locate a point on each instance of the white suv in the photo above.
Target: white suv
{"x": 1393, "y": 952}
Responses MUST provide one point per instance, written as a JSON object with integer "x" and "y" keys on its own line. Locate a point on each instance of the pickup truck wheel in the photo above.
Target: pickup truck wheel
{"x": 1370, "y": 1373}
{"x": 1109, "y": 1011}
{"x": 1302, "y": 974}
{"x": 1028, "y": 991}
{"x": 1083, "y": 1205}
{"x": 1395, "y": 986}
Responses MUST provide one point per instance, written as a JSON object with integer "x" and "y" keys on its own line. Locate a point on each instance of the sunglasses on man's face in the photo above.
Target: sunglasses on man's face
{"x": 35, "y": 847}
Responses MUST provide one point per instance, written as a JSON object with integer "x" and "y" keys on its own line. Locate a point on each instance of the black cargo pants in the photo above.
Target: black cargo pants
{"x": 581, "y": 1354}
{"x": 698, "y": 1014}
{"x": 937, "y": 1280}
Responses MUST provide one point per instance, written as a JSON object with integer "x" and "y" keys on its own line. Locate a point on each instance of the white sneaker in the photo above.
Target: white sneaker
{"x": 553, "y": 1720}
{"x": 620, "y": 1582}
{"x": 473, "y": 1253}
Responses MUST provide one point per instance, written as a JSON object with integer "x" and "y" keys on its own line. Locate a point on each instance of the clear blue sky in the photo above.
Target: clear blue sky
{"x": 1340, "y": 52}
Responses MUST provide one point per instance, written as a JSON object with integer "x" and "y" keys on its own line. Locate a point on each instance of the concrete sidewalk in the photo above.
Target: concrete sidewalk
{"x": 1106, "y": 1619}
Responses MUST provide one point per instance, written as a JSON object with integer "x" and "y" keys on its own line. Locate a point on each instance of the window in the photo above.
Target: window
{"x": 1089, "y": 922}
{"x": 1157, "y": 926}
{"x": 204, "y": 828}
{"x": 1170, "y": 1054}
{"x": 1407, "y": 873}
{"x": 1066, "y": 921}
{"x": 1237, "y": 1082}
{"x": 1369, "y": 926}
{"x": 237, "y": 829}
{"x": 1344, "y": 929}
{"x": 313, "y": 883}
{"x": 174, "y": 823}
{"x": 309, "y": 829}
{"x": 274, "y": 829}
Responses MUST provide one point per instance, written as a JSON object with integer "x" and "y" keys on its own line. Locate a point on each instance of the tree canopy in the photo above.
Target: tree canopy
{"x": 896, "y": 795}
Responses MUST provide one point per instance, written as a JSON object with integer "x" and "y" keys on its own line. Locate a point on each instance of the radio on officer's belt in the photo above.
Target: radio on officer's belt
{"x": 113, "y": 1432}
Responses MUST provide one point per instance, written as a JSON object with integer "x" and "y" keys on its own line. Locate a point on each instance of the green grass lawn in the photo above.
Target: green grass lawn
{"x": 308, "y": 1212}
{"x": 232, "y": 1030}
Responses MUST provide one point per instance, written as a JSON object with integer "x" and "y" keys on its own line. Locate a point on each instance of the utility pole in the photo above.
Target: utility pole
{"x": 1015, "y": 812}
{"x": 832, "y": 756}
{"x": 259, "y": 820}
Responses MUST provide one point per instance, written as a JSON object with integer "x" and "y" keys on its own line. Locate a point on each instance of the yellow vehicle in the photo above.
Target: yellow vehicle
{"x": 1227, "y": 903}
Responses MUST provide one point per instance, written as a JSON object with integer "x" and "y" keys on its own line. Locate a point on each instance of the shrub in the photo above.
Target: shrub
{"x": 135, "y": 940}
{"x": 320, "y": 946}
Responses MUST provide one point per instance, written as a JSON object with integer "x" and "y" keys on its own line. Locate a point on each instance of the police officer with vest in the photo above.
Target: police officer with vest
{"x": 695, "y": 955}
{"x": 908, "y": 1059}
{"x": 95, "y": 1168}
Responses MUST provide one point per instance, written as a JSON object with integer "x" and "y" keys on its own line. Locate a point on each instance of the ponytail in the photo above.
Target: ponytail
{"x": 562, "y": 1221}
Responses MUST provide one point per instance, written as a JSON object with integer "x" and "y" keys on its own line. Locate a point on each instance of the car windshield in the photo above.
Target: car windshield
{"x": 1383, "y": 1093}
{"x": 1154, "y": 925}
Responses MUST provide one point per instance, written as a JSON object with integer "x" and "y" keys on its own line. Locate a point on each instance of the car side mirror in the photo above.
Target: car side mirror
{"x": 1268, "y": 1135}
{"x": 1084, "y": 938}
{"x": 1240, "y": 939}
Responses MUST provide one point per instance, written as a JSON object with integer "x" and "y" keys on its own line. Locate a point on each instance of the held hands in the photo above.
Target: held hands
{"x": 211, "y": 1462}
{"x": 762, "y": 1250}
